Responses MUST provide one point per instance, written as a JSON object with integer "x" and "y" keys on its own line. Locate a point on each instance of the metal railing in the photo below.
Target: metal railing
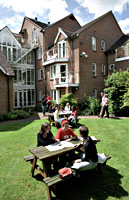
{"x": 56, "y": 52}
{"x": 66, "y": 78}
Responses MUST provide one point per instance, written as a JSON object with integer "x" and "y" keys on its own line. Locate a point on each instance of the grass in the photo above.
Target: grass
{"x": 16, "y": 184}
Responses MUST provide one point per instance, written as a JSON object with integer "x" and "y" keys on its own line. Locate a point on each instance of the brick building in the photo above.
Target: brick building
{"x": 6, "y": 85}
{"x": 118, "y": 54}
{"x": 59, "y": 58}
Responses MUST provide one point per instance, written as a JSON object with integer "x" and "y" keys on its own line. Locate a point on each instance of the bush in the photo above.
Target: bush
{"x": 68, "y": 98}
{"x": 18, "y": 114}
{"x": 1, "y": 117}
{"x": 117, "y": 89}
{"x": 39, "y": 107}
{"x": 89, "y": 106}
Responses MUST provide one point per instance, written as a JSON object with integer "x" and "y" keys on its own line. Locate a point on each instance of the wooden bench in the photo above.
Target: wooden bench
{"x": 29, "y": 158}
{"x": 51, "y": 181}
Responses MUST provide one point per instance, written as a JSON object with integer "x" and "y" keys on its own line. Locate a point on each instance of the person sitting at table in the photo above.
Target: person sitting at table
{"x": 45, "y": 136}
{"x": 65, "y": 132}
{"x": 73, "y": 117}
{"x": 67, "y": 107}
{"x": 88, "y": 159}
{"x": 56, "y": 115}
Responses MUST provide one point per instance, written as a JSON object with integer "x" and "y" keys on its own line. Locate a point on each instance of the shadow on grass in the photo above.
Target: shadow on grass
{"x": 92, "y": 185}
{"x": 14, "y": 125}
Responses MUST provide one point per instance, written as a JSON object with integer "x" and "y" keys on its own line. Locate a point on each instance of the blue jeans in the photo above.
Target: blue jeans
{"x": 43, "y": 109}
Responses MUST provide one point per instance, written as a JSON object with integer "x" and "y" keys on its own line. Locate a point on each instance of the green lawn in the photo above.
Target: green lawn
{"x": 16, "y": 184}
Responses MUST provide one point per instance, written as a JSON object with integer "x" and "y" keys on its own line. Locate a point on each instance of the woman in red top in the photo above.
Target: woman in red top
{"x": 65, "y": 133}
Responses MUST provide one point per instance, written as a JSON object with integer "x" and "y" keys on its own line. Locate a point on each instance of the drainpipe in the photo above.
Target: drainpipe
{"x": 35, "y": 77}
{"x": 8, "y": 94}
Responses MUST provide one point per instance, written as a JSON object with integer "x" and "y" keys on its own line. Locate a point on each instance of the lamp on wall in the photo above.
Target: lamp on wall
{"x": 84, "y": 54}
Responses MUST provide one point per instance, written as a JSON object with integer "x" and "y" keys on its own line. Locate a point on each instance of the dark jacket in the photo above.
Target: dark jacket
{"x": 45, "y": 141}
{"x": 90, "y": 151}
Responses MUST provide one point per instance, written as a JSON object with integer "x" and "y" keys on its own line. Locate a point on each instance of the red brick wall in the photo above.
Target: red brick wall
{"x": 101, "y": 32}
{"x": 4, "y": 93}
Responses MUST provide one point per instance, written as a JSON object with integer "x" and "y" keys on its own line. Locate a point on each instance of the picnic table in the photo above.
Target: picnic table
{"x": 46, "y": 157}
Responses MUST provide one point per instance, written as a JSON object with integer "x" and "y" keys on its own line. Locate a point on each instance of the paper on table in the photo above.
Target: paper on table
{"x": 56, "y": 146}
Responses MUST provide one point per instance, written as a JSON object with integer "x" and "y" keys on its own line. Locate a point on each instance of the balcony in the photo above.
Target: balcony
{"x": 55, "y": 54}
{"x": 66, "y": 79}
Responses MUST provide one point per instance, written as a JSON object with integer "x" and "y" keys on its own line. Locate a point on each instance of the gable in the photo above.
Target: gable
{"x": 60, "y": 32}
{"x": 7, "y": 38}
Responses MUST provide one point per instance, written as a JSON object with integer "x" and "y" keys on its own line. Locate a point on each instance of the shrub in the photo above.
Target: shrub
{"x": 1, "y": 117}
{"x": 68, "y": 98}
{"x": 18, "y": 114}
{"x": 88, "y": 106}
{"x": 39, "y": 107}
{"x": 117, "y": 89}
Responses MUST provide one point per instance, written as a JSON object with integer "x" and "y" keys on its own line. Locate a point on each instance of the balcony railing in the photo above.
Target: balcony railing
{"x": 56, "y": 53}
{"x": 70, "y": 78}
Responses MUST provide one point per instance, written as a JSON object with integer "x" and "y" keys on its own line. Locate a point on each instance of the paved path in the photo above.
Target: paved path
{"x": 39, "y": 115}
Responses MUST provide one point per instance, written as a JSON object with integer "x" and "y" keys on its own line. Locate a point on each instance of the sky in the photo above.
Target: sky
{"x": 12, "y": 12}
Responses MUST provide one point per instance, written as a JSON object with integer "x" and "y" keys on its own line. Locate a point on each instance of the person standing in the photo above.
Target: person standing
{"x": 102, "y": 104}
{"x": 44, "y": 101}
{"x": 105, "y": 107}
{"x": 49, "y": 101}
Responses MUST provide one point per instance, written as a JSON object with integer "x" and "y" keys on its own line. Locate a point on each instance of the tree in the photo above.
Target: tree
{"x": 68, "y": 98}
{"x": 117, "y": 86}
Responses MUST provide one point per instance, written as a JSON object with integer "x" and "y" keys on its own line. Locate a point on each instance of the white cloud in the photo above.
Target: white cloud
{"x": 124, "y": 24}
{"x": 99, "y": 7}
{"x": 51, "y": 10}
{"x": 14, "y": 23}
{"x": 55, "y": 9}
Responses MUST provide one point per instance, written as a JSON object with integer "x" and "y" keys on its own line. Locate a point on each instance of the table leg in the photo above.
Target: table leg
{"x": 33, "y": 166}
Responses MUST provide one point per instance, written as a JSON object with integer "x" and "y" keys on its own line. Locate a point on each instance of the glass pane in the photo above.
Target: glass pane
{"x": 24, "y": 77}
{"x": 5, "y": 51}
{"x": 15, "y": 99}
{"x": 29, "y": 97}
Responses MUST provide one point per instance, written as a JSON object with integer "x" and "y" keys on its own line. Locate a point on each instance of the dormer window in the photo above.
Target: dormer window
{"x": 93, "y": 43}
{"x": 62, "y": 49}
{"x": 35, "y": 36}
{"x": 102, "y": 45}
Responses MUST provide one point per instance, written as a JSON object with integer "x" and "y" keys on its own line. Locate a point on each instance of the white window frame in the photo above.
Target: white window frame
{"x": 102, "y": 45}
{"x": 39, "y": 52}
{"x": 94, "y": 43}
{"x": 40, "y": 95}
{"x": 40, "y": 74}
{"x": 94, "y": 92}
{"x": 52, "y": 71}
{"x": 62, "y": 49}
{"x": 103, "y": 69}
{"x": 53, "y": 94}
{"x": 35, "y": 36}
{"x": 94, "y": 69}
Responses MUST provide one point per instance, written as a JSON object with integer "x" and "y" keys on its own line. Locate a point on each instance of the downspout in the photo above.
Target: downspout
{"x": 45, "y": 71}
{"x": 35, "y": 77}
{"x": 8, "y": 94}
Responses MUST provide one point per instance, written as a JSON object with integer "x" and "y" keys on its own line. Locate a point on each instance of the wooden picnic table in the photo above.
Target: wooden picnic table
{"x": 46, "y": 157}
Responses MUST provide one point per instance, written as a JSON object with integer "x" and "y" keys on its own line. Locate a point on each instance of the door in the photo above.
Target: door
{"x": 62, "y": 73}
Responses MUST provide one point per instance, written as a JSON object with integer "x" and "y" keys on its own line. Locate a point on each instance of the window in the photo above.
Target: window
{"x": 52, "y": 71}
{"x": 93, "y": 43}
{"x": 40, "y": 74}
{"x": 94, "y": 69}
{"x": 53, "y": 94}
{"x": 103, "y": 69}
{"x": 35, "y": 37}
{"x": 95, "y": 93}
{"x": 40, "y": 53}
{"x": 40, "y": 95}
{"x": 102, "y": 45}
{"x": 62, "y": 49}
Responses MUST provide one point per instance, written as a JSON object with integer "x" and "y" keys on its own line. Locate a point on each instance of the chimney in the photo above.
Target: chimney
{"x": 36, "y": 19}
{"x": 48, "y": 23}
